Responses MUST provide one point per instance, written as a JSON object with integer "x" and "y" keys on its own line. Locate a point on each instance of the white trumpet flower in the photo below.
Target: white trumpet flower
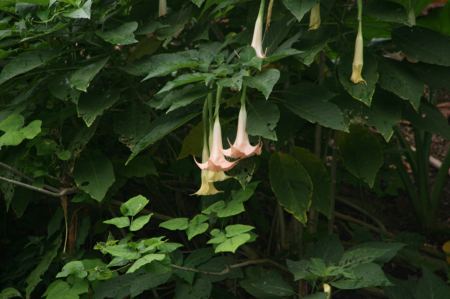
{"x": 314, "y": 18}
{"x": 162, "y": 8}
{"x": 258, "y": 32}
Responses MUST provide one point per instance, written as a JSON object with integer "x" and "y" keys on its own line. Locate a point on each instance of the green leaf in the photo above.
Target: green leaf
{"x": 431, "y": 287}
{"x": 362, "y": 153}
{"x": 237, "y": 229}
{"x": 139, "y": 222}
{"x": 34, "y": 278}
{"x": 133, "y": 284}
{"x": 193, "y": 142}
{"x": 60, "y": 289}
{"x": 423, "y": 44}
{"x": 179, "y": 98}
{"x": 385, "y": 113}
{"x": 197, "y": 226}
{"x": 201, "y": 289}
{"x": 81, "y": 78}
{"x": 368, "y": 253}
{"x": 123, "y": 251}
{"x": 262, "y": 283}
{"x": 25, "y": 62}
{"x": 94, "y": 174}
{"x": 119, "y": 222}
{"x": 362, "y": 91}
{"x": 175, "y": 224}
{"x": 311, "y": 102}
{"x": 83, "y": 12}
{"x": 75, "y": 268}
{"x": 10, "y": 293}
{"x": 263, "y": 117}
{"x": 264, "y": 81}
{"x": 198, "y": 2}
{"x": 321, "y": 199}
{"x": 186, "y": 79}
{"x": 291, "y": 184}
{"x": 299, "y": 7}
{"x": 163, "y": 64}
{"x": 122, "y": 35}
{"x": 145, "y": 260}
{"x": 161, "y": 127}
{"x": 233, "y": 243}
{"x": 396, "y": 78}
{"x": 92, "y": 105}
{"x": 363, "y": 276}
{"x": 133, "y": 206}
{"x": 15, "y": 133}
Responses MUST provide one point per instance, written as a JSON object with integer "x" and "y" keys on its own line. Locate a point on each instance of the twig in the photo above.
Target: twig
{"x": 362, "y": 223}
{"x": 234, "y": 266}
{"x": 65, "y": 191}
{"x": 24, "y": 176}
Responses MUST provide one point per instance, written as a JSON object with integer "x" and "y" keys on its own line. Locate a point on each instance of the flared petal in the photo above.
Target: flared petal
{"x": 217, "y": 176}
{"x": 206, "y": 188}
{"x": 241, "y": 148}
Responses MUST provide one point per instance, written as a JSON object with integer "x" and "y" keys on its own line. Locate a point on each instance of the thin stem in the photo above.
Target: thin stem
{"x": 218, "y": 96}
{"x": 333, "y": 170}
{"x": 61, "y": 192}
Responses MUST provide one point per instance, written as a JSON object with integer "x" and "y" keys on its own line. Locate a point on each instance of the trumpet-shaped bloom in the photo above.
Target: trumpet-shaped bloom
{"x": 314, "y": 18}
{"x": 258, "y": 32}
{"x": 241, "y": 148}
{"x": 162, "y": 8}
{"x": 358, "y": 58}
{"x": 207, "y": 187}
{"x": 216, "y": 161}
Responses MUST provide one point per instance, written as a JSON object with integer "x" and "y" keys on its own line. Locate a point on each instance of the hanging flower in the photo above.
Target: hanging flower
{"x": 314, "y": 18}
{"x": 358, "y": 58}
{"x": 258, "y": 32}
{"x": 162, "y": 8}
{"x": 241, "y": 148}
{"x": 216, "y": 161}
{"x": 207, "y": 187}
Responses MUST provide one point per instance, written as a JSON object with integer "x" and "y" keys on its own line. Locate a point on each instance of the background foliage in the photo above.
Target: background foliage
{"x": 101, "y": 104}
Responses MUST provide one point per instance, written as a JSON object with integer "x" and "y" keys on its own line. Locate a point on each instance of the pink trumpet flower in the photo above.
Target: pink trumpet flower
{"x": 217, "y": 161}
{"x": 258, "y": 32}
{"x": 241, "y": 148}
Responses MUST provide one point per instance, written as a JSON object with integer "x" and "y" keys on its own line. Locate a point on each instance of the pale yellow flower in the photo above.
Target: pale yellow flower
{"x": 258, "y": 32}
{"x": 314, "y": 18}
{"x": 162, "y": 8}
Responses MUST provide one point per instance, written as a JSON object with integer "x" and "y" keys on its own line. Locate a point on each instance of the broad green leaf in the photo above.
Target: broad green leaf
{"x": 175, "y": 224}
{"x": 187, "y": 79}
{"x": 321, "y": 198}
{"x": 328, "y": 248}
{"x": 264, "y": 81}
{"x": 160, "y": 128}
{"x": 300, "y": 269}
{"x": 15, "y": 133}
{"x": 311, "y": 102}
{"x": 81, "y": 78}
{"x": 423, "y": 44}
{"x": 313, "y": 42}
{"x": 179, "y": 98}
{"x": 387, "y": 11}
{"x": 263, "y": 283}
{"x": 119, "y": 222}
{"x": 237, "y": 229}
{"x": 94, "y": 174}
{"x": 233, "y": 243}
{"x": 385, "y": 113}
{"x": 10, "y": 293}
{"x": 431, "y": 287}
{"x": 396, "y": 78}
{"x": 92, "y": 105}
{"x": 362, "y": 91}
{"x": 317, "y": 296}
{"x": 193, "y": 142}
{"x": 140, "y": 167}
{"x": 198, "y": 2}
{"x": 35, "y": 277}
{"x": 299, "y": 7}
{"x": 201, "y": 289}
{"x": 146, "y": 259}
{"x": 123, "y": 251}
{"x": 61, "y": 89}
{"x": 60, "y": 289}
{"x": 75, "y": 268}
{"x": 368, "y": 253}
{"x": 362, "y": 153}
{"x": 83, "y": 12}
{"x": 291, "y": 184}
{"x": 133, "y": 284}
{"x": 197, "y": 226}
{"x": 25, "y": 62}
{"x": 363, "y": 276}
{"x": 134, "y": 205}
{"x": 122, "y": 35}
{"x": 163, "y": 64}
{"x": 263, "y": 117}
{"x": 139, "y": 222}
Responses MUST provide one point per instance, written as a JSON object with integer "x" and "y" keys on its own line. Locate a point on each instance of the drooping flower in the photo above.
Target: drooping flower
{"x": 358, "y": 58}
{"x": 162, "y": 8}
{"x": 258, "y": 32}
{"x": 241, "y": 148}
{"x": 314, "y": 18}
{"x": 207, "y": 187}
{"x": 217, "y": 161}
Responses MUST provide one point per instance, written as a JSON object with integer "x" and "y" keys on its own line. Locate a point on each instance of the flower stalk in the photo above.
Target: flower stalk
{"x": 358, "y": 58}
